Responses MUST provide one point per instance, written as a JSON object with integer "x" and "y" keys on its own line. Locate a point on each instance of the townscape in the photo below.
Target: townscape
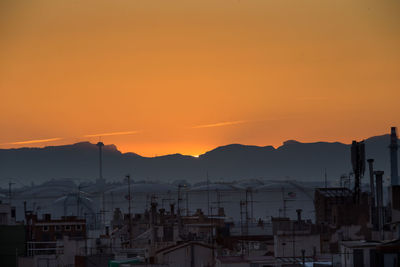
{"x": 243, "y": 223}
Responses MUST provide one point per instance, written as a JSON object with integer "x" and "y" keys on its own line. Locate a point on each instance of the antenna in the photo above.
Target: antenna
{"x": 284, "y": 202}
{"x": 358, "y": 163}
{"x": 251, "y": 203}
{"x": 77, "y": 200}
{"x": 129, "y": 209}
{"x": 9, "y": 191}
{"x": 394, "y": 173}
{"x": 208, "y": 196}
{"x": 179, "y": 198}
{"x": 187, "y": 203}
{"x": 244, "y": 226}
{"x": 218, "y": 199}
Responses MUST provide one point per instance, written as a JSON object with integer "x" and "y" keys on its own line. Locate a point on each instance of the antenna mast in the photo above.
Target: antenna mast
{"x": 9, "y": 191}
{"x": 129, "y": 209}
{"x": 100, "y": 146}
{"x": 208, "y": 196}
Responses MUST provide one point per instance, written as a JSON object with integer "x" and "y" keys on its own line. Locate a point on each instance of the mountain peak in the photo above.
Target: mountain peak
{"x": 291, "y": 142}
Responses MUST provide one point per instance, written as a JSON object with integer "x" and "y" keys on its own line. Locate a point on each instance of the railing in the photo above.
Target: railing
{"x": 50, "y": 247}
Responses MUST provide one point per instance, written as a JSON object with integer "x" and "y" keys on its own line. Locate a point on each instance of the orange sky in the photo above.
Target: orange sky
{"x": 187, "y": 76}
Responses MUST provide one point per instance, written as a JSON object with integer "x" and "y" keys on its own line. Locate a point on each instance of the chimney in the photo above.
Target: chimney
{"x": 372, "y": 188}
{"x": 299, "y": 214}
{"x": 379, "y": 198}
{"x": 394, "y": 174}
{"x": 172, "y": 206}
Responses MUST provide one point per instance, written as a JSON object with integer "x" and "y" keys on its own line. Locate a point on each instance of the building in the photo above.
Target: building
{"x": 48, "y": 229}
{"x": 190, "y": 254}
{"x": 335, "y": 206}
{"x": 359, "y": 253}
{"x": 7, "y": 214}
{"x": 12, "y": 243}
{"x": 296, "y": 238}
{"x": 53, "y": 241}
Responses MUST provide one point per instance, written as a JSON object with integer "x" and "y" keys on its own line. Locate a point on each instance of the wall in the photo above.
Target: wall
{"x": 12, "y": 243}
{"x": 306, "y": 242}
{"x": 182, "y": 256}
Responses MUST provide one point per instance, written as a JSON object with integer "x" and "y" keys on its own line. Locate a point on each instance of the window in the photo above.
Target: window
{"x": 78, "y": 227}
{"x": 67, "y": 228}
{"x": 45, "y": 228}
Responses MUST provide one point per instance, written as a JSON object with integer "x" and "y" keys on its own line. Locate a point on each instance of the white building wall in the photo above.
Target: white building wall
{"x": 5, "y": 214}
{"x": 182, "y": 257}
{"x": 300, "y": 242}
{"x": 347, "y": 256}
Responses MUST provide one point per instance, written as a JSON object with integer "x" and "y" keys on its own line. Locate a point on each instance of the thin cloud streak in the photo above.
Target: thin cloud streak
{"x": 35, "y": 141}
{"x": 219, "y": 124}
{"x": 111, "y": 134}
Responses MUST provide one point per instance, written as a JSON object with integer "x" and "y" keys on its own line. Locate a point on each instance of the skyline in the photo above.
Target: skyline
{"x": 183, "y": 77}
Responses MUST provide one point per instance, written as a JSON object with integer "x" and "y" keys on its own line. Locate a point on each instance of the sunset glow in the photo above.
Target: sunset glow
{"x": 160, "y": 77}
{"x": 39, "y": 141}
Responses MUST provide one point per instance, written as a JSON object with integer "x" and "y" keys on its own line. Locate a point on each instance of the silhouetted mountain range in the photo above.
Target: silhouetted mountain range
{"x": 293, "y": 160}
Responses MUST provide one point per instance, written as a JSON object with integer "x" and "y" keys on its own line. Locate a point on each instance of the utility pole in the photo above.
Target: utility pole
{"x": 129, "y": 210}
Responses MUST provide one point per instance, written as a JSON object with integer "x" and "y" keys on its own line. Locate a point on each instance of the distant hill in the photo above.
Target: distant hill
{"x": 294, "y": 160}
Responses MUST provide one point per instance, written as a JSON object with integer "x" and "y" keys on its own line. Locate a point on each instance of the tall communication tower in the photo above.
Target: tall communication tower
{"x": 358, "y": 163}
{"x": 394, "y": 172}
{"x": 100, "y": 146}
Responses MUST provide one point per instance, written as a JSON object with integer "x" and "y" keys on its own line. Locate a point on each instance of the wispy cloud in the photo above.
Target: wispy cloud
{"x": 219, "y": 124}
{"x": 111, "y": 134}
{"x": 35, "y": 141}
